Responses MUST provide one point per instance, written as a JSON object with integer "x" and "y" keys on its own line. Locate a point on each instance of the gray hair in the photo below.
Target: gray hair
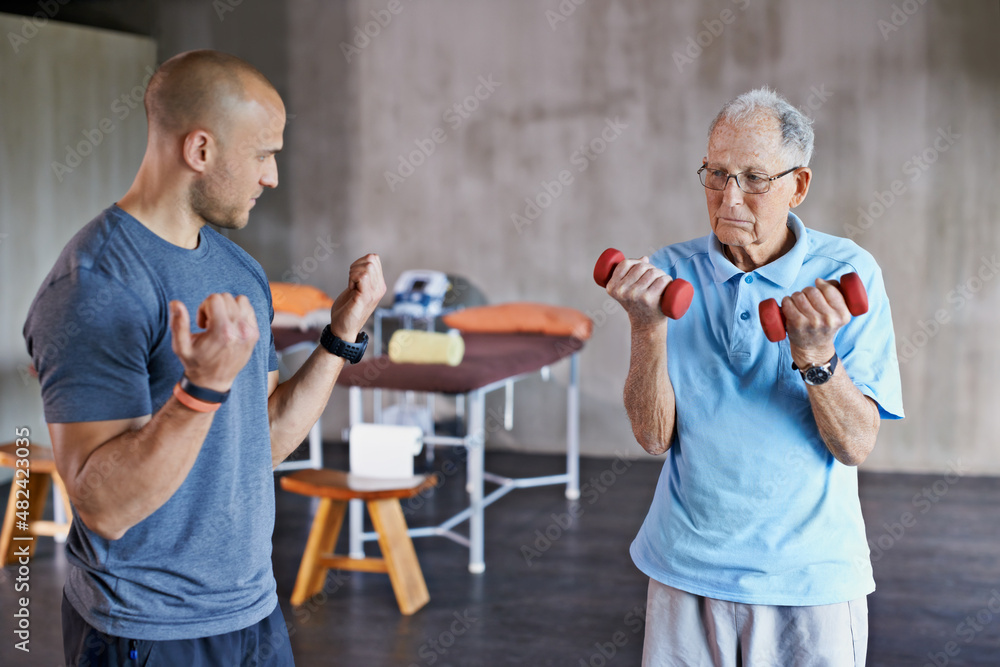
{"x": 796, "y": 127}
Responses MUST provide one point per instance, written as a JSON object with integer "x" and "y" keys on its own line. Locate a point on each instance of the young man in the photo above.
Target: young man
{"x": 167, "y": 438}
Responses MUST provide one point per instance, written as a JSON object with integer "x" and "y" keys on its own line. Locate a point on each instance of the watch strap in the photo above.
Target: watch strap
{"x": 201, "y": 393}
{"x": 829, "y": 367}
{"x": 832, "y": 363}
{"x": 192, "y": 403}
{"x": 337, "y": 346}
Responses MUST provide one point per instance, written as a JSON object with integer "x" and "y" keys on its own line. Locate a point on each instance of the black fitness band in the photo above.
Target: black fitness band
{"x": 201, "y": 393}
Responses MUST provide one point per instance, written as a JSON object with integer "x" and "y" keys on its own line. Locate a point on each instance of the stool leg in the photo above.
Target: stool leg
{"x": 7, "y": 535}
{"x": 400, "y": 557}
{"x": 322, "y": 538}
{"x": 38, "y": 491}
{"x": 64, "y": 496}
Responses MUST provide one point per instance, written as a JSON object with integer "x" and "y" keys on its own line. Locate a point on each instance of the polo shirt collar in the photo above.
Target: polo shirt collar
{"x": 781, "y": 271}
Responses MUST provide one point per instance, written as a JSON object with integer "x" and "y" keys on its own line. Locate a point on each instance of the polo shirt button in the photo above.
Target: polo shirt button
{"x": 745, "y": 315}
{"x": 748, "y": 279}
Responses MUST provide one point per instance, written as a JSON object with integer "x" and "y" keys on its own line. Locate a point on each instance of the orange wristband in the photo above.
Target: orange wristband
{"x": 189, "y": 401}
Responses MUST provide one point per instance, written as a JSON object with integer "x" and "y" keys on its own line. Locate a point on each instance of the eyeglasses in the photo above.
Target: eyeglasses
{"x": 750, "y": 182}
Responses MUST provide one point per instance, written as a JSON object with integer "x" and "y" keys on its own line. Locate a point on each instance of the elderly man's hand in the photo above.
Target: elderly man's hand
{"x": 812, "y": 319}
{"x": 637, "y": 285}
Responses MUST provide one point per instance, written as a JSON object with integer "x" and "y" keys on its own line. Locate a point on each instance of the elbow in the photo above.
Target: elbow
{"x": 104, "y": 527}
{"x": 852, "y": 459}
{"x": 651, "y": 443}
{"x": 104, "y": 530}
{"x": 853, "y": 456}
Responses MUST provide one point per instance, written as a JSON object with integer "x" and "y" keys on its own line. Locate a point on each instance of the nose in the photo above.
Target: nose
{"x": 269, "y": 178}
{"x": 731, "y": 194}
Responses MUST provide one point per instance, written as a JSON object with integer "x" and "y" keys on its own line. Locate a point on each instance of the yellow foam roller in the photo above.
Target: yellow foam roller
{"x": 408, "y": 346}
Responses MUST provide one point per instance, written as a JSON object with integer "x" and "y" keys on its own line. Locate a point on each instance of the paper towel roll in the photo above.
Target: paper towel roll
{"x": 384, "y": 450}
{"x": 409, "y": 346}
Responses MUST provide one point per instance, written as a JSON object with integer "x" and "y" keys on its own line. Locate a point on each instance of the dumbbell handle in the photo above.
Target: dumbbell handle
{"x": 772, "y": 320}
{"x": 676, "y": 296}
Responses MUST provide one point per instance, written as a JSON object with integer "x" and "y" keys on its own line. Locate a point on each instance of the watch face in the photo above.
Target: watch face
{"x": 817, "y": 375}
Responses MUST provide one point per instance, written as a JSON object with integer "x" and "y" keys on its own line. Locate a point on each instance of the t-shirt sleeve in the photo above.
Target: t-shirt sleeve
{"x": 90, "y": 338}
{"x": 272, "y": 355}
{"x": 867, "y": 347}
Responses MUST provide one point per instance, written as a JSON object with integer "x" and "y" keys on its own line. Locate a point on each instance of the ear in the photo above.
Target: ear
{"x": 802, "y": 179}
{"x": 197, "y": 150}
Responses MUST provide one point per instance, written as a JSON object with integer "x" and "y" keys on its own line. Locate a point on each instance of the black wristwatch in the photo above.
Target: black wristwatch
{"x": 341, "y": 348}
{"x": 817, "y": 374}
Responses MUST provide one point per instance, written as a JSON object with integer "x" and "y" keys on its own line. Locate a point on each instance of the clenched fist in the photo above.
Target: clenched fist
{"x": 638, "y": 285}
{"x": 813, "y": 317}
{"x": 365, "y": 288}
{"x": 214, "y": 357}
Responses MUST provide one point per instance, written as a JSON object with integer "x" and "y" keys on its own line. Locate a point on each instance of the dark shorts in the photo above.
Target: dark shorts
{"x": 264, "y": 644}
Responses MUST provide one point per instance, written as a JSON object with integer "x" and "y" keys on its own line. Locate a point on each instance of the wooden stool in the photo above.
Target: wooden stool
{"x": 41, "y": 471}
{"x": 399, "y": 559}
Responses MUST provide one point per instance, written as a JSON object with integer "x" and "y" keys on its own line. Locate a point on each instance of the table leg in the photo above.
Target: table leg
{"x": 477, "y": 440}
{"x": 356, "y": 508}
{"x": 573, "y": 429}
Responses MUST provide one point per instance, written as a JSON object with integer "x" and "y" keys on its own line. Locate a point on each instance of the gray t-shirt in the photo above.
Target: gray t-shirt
{"x": 98, "y": 332}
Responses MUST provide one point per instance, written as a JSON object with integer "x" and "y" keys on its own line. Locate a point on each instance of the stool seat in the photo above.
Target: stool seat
{"x": 335, "y": 488}
{"x": 340, "y": 485}
{"x": 32, "y": 486}
{"x": 40, "y": 456}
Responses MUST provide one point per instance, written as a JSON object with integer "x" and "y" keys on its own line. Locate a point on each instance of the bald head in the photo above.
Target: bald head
{"x": 200, "y": 90}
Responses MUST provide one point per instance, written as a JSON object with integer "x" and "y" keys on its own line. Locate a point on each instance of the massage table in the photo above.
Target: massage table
{"x": 288, "y": 341}
{"x": 492, "y": 361}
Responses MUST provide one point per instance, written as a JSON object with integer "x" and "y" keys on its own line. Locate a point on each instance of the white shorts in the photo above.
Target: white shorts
{"x": 685, "y": 630}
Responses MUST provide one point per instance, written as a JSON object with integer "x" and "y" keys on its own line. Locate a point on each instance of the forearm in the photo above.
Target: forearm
{"x": 649, "y": 396}
{"x": 132, "y": 475}
{"x": 295, "y": 405}
{"x": 848, "y": 421}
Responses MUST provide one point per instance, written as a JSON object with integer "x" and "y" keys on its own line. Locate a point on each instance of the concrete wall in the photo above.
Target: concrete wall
{"x": 904, "y": 95}
{"x": 71, "y": 143}
{"x": 899, "y": 99}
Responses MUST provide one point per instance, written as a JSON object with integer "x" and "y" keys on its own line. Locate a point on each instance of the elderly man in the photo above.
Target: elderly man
{"x": 166, "y": 438}
{"x": 754, "y": 542}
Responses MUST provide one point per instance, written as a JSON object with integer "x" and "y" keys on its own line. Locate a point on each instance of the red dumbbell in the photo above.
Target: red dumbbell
{"x": 675, "y": 299}
{"x": 772, "y": 320}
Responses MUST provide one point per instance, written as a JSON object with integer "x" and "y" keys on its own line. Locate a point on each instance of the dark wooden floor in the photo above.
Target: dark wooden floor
{"x": 936, "y": 557}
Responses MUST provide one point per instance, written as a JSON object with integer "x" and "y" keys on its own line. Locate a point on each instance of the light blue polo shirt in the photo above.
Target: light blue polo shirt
{"x": 751, "y": 506}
